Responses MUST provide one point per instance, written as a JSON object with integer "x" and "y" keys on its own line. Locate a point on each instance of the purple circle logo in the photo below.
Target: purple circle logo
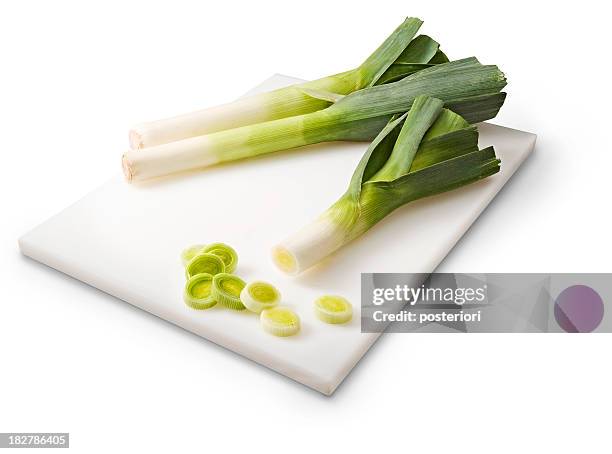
{"x": 579, "y": 309}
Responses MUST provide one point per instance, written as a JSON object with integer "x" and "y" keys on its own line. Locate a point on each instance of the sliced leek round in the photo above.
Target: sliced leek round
{"x": 259, "y": 295}
{"x": 198, "y": 291}
{"x": 204, "y": 263}
{"x": 190, "y": 252}
{"x": 226, "y": 290}
{"x": 333, "y": 309}
{"x": 280, "y": 321}
{"x": 225, "y": 253}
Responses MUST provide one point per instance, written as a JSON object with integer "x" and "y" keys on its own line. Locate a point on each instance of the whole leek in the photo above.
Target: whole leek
{"x": 465, "y": 86}
{"x": 395, "y": 53}
{"x": 427, "y": 151}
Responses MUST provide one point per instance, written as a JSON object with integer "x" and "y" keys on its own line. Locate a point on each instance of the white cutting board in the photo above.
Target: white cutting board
{"x": 126, "y": 240}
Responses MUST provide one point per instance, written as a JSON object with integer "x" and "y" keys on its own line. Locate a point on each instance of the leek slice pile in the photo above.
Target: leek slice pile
{"x": 280, "y": 321}
{"x": 426, "y": 151}
{"x": 258, "y": 295}
{"x": 398, "y": 55}
{"x": 226, "y": 290}
{"x": 333, "y": 309}
{"x": 207, "y": 270}
{"x": 210, "y": 284}
{"x": 198, "y": 291}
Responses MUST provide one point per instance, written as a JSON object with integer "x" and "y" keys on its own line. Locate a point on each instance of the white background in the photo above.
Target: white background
{"x": 75, "y": 75}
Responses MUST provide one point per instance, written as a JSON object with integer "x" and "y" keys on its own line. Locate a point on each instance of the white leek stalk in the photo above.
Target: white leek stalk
{"x": 465, "y": 86}
{"x": 280, "y": 103}
{"x": 434, "y": 151}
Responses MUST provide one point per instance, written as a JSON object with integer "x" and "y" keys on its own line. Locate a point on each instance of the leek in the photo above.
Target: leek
{"x": 391, "y": 174}
{"x": 293, "y": 100}
{"x": 465, "y": 86}
{"x": 226, "y": 289}
{"x": 258, "y": 295}
{"x": 280, "y": 321}
{"x": 198, "y": 292}
{"x": 333, "y": 309}
{"x": 204, "y": 263}
{"x": 226, "y": 253}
